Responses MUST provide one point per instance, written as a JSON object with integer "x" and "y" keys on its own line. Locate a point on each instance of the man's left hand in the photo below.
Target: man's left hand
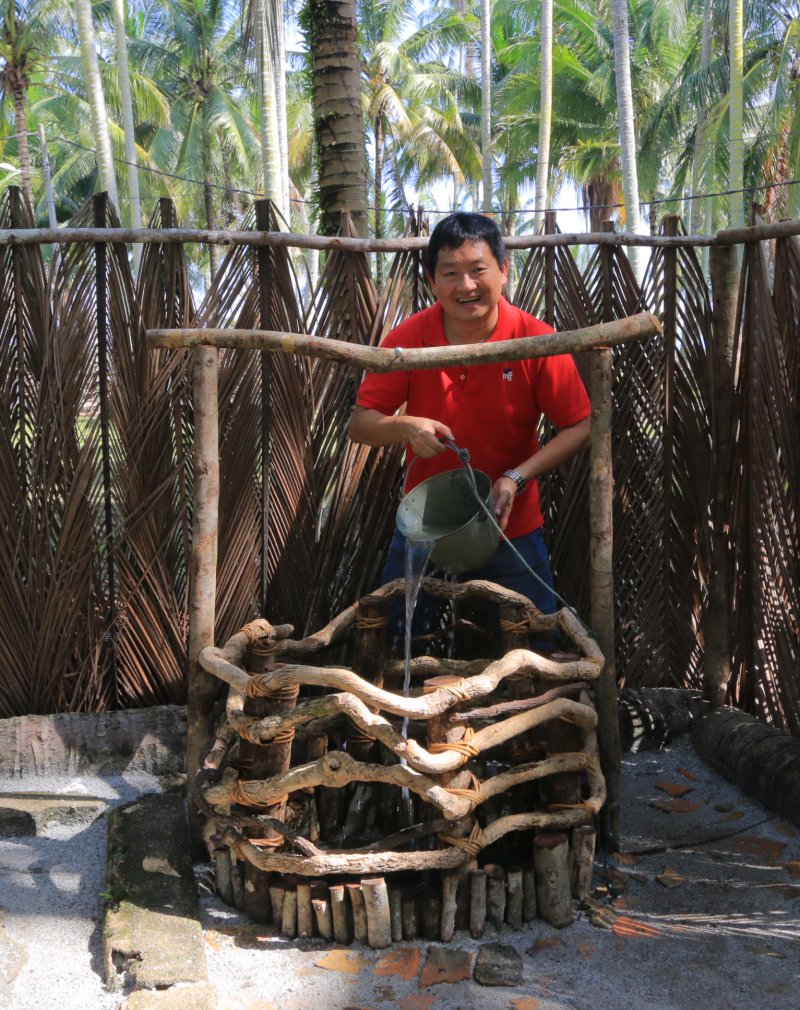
{"x": 504, "y": 492}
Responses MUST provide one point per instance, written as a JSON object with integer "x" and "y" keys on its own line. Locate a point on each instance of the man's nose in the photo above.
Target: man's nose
{"x": 466, "y": 282}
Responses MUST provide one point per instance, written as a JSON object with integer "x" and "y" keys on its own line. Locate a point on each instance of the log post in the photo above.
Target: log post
{"x": 724, "y": 271}
{"x": 601, "y": 489}
{"x": 359, "y": 908}
{"x": 495, "y": 894}
{"x": 305, "y": 912}
{"x": 369, "y": 657}
{"x": 528, "y": 893}
{"x": 379, "y": 920}
{"x": 277, "y": 896}
{"x": 583, "y": 842}
{"x": 289, "y": 916}
{"x": 553, "y": 883}
{"x": 449, "y": 905}
{"x": 409, "y": 913}
{"x": 202, "y": 688}
{"x": 322, "y": 913}
{"x": 341, "y": 915}
{"x": 258, "y": 762}
{"x": 431, "y": 915}
{"x": 477, "y": 904}
{"x": 396, "y": 912}
{"x": 514, "y": 906}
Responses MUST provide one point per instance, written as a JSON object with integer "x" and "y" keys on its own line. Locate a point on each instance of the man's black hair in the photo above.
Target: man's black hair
{"x": 456, "y": 229}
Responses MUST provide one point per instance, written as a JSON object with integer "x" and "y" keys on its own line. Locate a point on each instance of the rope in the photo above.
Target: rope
{"x": 267, "y": 843}
{"x": 473, "y": 794}
{"x": 460, "y": 691}
{"x": 365, "y": 622}
{"x": 571, "y": 806}
{"x": 255, "y": 629}
{"x": 244, "y": 799}
{"x": 263, "y": 646}
{"x": 260, "y": 686}
{"x": 522, "y": 627}
{"x": 463, "y": 747}
{"x": 471, "y": 845}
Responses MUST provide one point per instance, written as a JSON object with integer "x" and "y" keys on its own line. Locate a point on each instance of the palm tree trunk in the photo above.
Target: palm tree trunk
{"x": 545, "y": 109}
{"x": 697, "y": 215}
{"x": 486, "y": 103}
{"x": 736, "y": 140}
{"x": 338, "y": 126}
{"x": 270, "y": 143}
{"x": 21, "y": 123}
{"x": 96, "y": 96}
{"x": 279, "y": 65}
{"x": 378, "y": 197}
{"x": 627, "y": 136}
{"x": 127, "y": 121}
{"x": 208, "y": 199}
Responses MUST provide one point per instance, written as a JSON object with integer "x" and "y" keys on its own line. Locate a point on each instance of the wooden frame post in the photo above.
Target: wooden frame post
{"x": 202, "y": 687}
{"x": 601, "y": 490}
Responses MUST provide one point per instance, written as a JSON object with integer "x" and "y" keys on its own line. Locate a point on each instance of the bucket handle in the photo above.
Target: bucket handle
{"x": 448, "y": 443}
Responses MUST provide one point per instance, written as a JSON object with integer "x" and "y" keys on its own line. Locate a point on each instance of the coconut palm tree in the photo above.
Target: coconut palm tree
{"x": 96, "y": 97}
{"x": 202, "y": 67}
{"x": 329, "y": 27}
{"x": 411, "y": 100}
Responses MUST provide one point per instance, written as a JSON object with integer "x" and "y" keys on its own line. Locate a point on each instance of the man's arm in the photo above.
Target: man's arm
{"x": 423, "y": 434}
{"x": 558, "y": 450}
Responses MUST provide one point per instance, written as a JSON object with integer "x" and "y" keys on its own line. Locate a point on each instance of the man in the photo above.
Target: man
{"x": 492, "y": 410}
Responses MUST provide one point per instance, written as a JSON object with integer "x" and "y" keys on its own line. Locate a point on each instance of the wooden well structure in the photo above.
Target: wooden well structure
{"x": 278, "y": 814}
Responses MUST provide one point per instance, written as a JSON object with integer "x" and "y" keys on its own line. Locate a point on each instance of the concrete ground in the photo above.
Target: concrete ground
{"x": 701, "y": 908}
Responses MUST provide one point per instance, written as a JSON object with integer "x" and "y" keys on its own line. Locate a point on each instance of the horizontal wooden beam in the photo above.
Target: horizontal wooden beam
{"x": 379, "y": 359}
{"x": 293, "y": 240}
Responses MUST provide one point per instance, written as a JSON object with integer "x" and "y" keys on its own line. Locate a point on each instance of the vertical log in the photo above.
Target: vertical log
{"x": 431, "y": 915}
{"x": 528, "y": 894}
{"x": 477, "y": 904}
{"x": 553, "y": 884}
{"x": 495, "y": 894}
{"x": 409, "y": 913}
{"x": 449, "y": 905}
{"x": 717, "y": 633}
{"x": 202, "y": 687}
{"x": 601, "y": 485}
{"x": 369, "y": 656}
{"x": 261, "y": 761}
{"x": 463, "y": 897}
{"x": 322, "y": 913}
{"x": 359, "y": 909}
{"x": 222, "y": 874}
{"x": 341, "y": 915}
{"x": 289, "y": 916}
{"x": 265, "y": 258}
{"x": 583, "y": 842}
{"x": 514, "y": 906}
{"x": 305, "y": 913}
{"x": 277, "y": 896}
{"x": 379, "y": 920}
{"x": 396, "y": 912}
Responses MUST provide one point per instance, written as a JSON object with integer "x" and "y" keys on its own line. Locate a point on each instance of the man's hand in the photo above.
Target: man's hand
{"x": 504, "y": 492}
{"x": 423, "y": 434}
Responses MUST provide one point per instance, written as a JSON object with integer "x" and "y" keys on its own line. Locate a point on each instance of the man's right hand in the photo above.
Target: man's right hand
{"x": 423, "y": 434}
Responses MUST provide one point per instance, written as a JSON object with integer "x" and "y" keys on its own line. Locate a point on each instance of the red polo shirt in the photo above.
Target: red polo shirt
{"x": 493, "y": 410}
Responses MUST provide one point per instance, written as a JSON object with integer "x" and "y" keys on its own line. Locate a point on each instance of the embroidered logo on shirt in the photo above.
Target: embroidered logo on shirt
{"x": 508, "y": 374}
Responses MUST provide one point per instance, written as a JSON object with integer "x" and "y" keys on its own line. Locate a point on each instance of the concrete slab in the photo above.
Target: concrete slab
{"x": 152, "y": 937}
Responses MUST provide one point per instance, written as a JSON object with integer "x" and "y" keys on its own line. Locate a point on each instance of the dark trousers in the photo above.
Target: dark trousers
{"x": 503, "y": 567}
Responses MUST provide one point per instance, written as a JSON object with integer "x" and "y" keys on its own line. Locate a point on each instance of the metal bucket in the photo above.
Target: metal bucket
{"x": 443, "y": 510}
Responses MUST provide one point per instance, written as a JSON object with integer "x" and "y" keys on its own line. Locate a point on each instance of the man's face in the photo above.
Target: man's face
{"x": 468, "y": 281}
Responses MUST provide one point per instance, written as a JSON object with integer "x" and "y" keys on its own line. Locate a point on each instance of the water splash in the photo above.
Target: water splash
{"x": 418, "y": 554}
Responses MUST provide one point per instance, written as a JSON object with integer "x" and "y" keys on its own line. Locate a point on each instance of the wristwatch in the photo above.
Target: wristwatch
{"x": 518, "y": 479}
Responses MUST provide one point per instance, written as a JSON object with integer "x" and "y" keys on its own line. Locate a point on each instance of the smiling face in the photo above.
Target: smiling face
{"x": 468, "y": 282}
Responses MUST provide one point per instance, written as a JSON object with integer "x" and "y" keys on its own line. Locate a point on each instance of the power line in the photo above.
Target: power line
{"x": 585, "y": 208}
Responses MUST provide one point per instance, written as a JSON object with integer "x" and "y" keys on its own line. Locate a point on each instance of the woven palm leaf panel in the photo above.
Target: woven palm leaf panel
{"x": 765, "y": 495}
{"x": 552, "y": 288}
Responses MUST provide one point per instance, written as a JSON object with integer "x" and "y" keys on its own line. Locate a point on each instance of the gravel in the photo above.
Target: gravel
{"x": 727, "y": 937}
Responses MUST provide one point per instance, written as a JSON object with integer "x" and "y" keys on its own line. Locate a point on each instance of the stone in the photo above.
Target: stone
{"x": 197, "y": 996}
{"x": 498, "y": 964}
{"x": 152, "y": 937}
{"x": 445, "y": 964}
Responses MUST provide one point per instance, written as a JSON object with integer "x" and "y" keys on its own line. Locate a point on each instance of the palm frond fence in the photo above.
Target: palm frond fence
{"x": 97, "y": 430}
